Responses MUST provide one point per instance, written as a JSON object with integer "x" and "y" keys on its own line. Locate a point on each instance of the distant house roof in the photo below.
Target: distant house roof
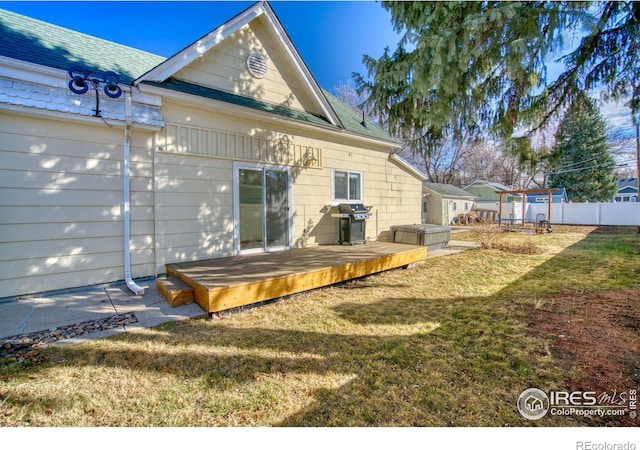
{"x": 561, "y": 192}
{"x": 42, "y": 43}
{"x": 486, "y": 190}
{"x": 448, "y": 190}
{"x": 627, "y": 185}
{"x": 490, "y": 184}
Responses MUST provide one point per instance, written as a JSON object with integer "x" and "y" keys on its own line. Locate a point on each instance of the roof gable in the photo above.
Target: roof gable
{"x": 218, "y": 61}
{"x": 628, "y": 185}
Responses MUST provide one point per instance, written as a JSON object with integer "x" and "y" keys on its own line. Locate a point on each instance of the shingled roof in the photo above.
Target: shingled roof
{"x": 448, "y": 190}
{"x": 38, "y": 42}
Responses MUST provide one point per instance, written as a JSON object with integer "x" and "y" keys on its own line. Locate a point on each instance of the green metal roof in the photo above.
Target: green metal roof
{"x": 448, "y": 190}
{"x": 38, "y": 42}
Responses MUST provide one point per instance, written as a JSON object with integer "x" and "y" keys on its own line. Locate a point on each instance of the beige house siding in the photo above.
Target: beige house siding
{"x": 434, "y": 210}
{"x": 194, "y": 208}
{"x": 61, "y": 205}
{"x": 194, "y": 181}
{"x": 224, "y": 67}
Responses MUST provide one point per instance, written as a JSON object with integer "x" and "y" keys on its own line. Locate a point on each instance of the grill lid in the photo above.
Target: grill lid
{"x": 351, "y": 208}
{"x": 357, "y": 211}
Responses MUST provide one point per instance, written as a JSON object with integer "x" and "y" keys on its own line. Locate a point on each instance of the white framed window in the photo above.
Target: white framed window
{"x": 346, "y": 186}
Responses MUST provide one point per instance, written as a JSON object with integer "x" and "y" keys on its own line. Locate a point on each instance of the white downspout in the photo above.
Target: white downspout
{"x": 133, "y": 287}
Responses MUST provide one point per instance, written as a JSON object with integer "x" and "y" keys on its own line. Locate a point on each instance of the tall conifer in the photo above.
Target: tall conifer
{"x": 584, "y": 165}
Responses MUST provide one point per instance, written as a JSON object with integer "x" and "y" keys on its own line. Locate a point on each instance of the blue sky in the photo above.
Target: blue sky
{"x": 330, "y": 36}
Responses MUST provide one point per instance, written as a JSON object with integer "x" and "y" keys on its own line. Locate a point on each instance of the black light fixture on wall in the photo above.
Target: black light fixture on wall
{"x": 82, "y": 79}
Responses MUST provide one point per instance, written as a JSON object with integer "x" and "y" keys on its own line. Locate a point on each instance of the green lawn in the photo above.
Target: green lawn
{"x": 442, "y": 344}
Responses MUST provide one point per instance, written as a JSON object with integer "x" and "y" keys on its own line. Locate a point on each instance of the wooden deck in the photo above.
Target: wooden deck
{"x": 224, "y": 283}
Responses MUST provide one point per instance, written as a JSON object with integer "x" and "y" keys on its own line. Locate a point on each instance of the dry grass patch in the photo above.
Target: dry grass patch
{"x": 493, "y": 238}
{"x": 443, "y": 344}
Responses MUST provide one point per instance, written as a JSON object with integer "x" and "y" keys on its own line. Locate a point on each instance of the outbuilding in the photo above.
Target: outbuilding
{"x": 444, "y": 203}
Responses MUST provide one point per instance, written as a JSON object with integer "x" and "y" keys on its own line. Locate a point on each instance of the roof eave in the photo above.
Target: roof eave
{"x": 403, "y": 164}
{"x": 311, "y": 86}
{"x": 244, "y": 111}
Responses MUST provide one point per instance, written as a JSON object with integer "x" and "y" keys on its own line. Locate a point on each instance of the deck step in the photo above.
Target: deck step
{"x": 175, "y": 291}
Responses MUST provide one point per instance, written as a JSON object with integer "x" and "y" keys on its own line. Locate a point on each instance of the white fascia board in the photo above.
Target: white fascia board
{"x": 69, "y": 117}
{"x": 407, "y": 167}
{"x": 57, "y": 115}
{"x": 139, "y": 97}
{"x": 27, "y": 72}
{"x": 458, "y": 197}
{"x": 185, "y": 57}
{"x": 310, "y": 85}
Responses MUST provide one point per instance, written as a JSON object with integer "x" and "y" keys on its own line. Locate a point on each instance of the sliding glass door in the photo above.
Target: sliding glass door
{"x": 262, "y": 206}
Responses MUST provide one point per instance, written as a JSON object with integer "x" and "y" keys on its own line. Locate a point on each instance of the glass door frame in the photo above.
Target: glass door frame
{"x": 237, "y": 166}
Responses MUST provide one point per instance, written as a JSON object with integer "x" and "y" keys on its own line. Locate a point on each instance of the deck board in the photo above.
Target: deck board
{"x": 225, "y": 283}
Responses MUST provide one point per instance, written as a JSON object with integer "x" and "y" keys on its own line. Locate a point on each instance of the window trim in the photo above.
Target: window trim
{"x": 335, "y": 201}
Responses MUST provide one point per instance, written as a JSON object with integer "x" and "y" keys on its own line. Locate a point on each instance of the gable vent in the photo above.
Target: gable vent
{"x": 257, "y": 65}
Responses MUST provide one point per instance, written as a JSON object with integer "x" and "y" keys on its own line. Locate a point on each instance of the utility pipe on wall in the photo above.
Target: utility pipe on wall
{"x": 133, "y": 287}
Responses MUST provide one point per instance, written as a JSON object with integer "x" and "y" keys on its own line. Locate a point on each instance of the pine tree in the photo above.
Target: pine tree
{"x": 463, "y": 65}
{"x": 584, "y": 165}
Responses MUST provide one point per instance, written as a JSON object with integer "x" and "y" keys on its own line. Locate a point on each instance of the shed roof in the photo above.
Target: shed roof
{"x": 448, "y": 190}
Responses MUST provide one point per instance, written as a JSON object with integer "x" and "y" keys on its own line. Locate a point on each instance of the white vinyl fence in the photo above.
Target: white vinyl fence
{"x": 586, "y": 213}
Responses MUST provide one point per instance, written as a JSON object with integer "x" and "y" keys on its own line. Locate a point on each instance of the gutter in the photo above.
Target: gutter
{"x": 407, "y": 167}
{"x": 133, "y": 287}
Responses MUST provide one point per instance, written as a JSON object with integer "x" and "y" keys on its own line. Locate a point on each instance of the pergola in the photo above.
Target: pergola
{"x": 523, "y": 192}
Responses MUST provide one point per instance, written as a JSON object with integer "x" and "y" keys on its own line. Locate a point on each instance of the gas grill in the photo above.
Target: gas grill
{"x": 352, "y": 221}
